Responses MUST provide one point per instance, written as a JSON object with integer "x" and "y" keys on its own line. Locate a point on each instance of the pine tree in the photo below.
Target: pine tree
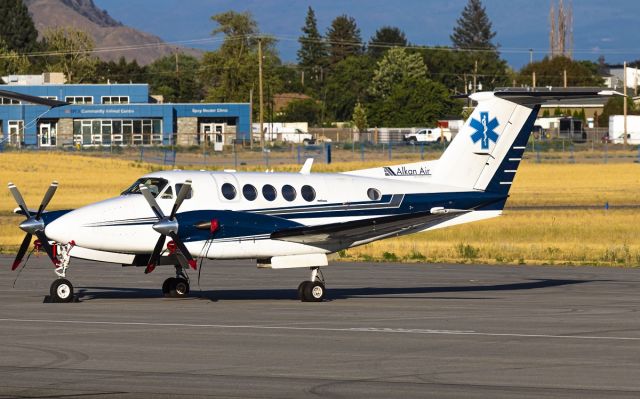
{"x": 16, "y": 26}
{"x": 344, "y": 39}
{"x": 312, "y": 50}
{"x": 385, "y": 38}
{"x": 473, "y": 30}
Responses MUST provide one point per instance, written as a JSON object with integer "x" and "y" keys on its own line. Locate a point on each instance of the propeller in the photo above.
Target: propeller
{"x": 33, "y": 225}
{"x": 168, "y": 226}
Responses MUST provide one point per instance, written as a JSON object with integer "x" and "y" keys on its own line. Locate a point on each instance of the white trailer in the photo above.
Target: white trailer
{"x": 616, "y": 129}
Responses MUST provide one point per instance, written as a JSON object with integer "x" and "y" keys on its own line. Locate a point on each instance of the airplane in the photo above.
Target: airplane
{"x": 292, "y": 220}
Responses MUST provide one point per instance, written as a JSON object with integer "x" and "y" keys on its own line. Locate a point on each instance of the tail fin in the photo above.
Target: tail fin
{"x": 487, "y": 151}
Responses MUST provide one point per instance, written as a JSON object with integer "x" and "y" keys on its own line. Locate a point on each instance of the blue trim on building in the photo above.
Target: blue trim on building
{"x": 138, "y": 108}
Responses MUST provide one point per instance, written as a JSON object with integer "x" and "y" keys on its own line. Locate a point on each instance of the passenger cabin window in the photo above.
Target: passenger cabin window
{"x": 189, "y": 194}
{"x": 373, "y": 194}
{"x": 154, "y": 184}
{"x": 269, "y": 192}
{"x": 250, "y": 192}
{"x": 308, "y": 193}
{"x": 228, "y": 191}
{"x": 288, "y": 192}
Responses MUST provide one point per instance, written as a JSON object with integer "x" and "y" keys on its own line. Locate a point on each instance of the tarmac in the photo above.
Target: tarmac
{"x": 386, "y": 331}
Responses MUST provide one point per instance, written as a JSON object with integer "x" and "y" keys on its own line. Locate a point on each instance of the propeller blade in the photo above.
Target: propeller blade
{"x": 184, "y": 191}
{"x": 19, "y": 200}
{"x": 152, "y": 201}
{"x": 155, "y": 256}
{"x": 47, "y": 198}
{"x": 47, "y": 247}
{"x": 184, "y": 251}
{"x": 23, "y": 250}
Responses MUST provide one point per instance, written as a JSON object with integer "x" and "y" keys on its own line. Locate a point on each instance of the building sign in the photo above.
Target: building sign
{"x": 106, "y": 111}
{"x": 210, "y": 110}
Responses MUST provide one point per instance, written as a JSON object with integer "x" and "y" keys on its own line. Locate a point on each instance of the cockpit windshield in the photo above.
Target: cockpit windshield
{"x": 155, "y": 185}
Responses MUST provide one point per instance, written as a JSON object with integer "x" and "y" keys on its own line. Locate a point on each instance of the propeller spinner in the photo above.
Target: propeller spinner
{"x": 33, "y": 225}
{"x": 168, "y": 226}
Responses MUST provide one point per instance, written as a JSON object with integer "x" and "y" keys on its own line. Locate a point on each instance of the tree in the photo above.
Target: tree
{"x": 397, "y": 65}
{"x": 347, "y": 85}
{"x": 312, "y": 55}
{"x": 177, "y": 83}
{"x": 473, "y": 29}
{"x": 344, "y": 39}
{"x": 615, "y": 106}
{"x": 550, "y": 72}
{"x": 12, "y": 63}
{"x": 231, "y": 72}
{"x": 70, "y": 53}
{"x": 385, "y": 38}
{"x": 360, "y": 117}
{"x": 121, "y": 71}
{"x": 402, "y": 95}
{"x": 307, "y": 110}
{"x": 16, "y": 27}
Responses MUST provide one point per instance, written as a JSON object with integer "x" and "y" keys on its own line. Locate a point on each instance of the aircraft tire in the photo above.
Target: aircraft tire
{"x": 166, "y": 287}
{"x": 301, "y": 289}
{"x": 61, "y": 291}
{"x": 179, "y": 288}
{"x": 313, "y": 291}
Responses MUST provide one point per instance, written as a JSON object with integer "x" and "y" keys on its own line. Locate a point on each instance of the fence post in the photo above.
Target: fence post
{"x": 639, "y": 154}
{"x": 299, "y": 160}
{"x": 141, "y": 154}
{"x": 572, "y": 158}
{"x": 328, "y": 153}
{"x": 538, "y": 155}
{"x": 362, "y": 152}
{"x": 390, "y": 146}
{"x": 606, "y": 152}
{"x": 235, "y": 158}
{"x": 422, "y": 150}
{"x": 266, "y": 156}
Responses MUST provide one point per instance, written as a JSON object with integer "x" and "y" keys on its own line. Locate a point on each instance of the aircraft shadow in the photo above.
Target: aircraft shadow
{"x": 91, "y": 293}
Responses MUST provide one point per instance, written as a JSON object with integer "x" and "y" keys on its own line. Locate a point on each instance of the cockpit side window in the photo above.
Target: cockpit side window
{"x": 154, "y": 184}
{"x": 189, "y": 194}
{"x": 168, "y": 194}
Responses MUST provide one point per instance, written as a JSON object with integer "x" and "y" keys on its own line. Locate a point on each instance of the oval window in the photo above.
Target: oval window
{"x": 308, "y": 193}
{"x": 288, "y": 192}
{"x": 269, "y": 192}
{"x": 228, "y": 191}
{"x": 373, "y": 194}
{"x": 249, "y": 192}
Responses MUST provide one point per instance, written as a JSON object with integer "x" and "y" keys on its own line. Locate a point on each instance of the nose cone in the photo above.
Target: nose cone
{"x": 61, "y": 229}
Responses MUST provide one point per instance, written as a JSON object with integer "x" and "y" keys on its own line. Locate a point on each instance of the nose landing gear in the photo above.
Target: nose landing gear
{"x": 314, "y": 289}
{"x": 178, "y": 286}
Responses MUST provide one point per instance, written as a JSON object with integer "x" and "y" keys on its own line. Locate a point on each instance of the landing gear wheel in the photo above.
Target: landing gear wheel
{"x": 61, "y": 291}
{"x": 312, "y": 291}
{"x": 179, "y": 288}
{"x": 301, "y": 288}
{"x": 166, "y": 286}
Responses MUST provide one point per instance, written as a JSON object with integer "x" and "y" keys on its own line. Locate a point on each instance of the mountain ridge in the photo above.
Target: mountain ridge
{"x": 107, "y": 32}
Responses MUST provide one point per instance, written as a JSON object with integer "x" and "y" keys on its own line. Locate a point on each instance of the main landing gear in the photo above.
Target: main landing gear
{"x": 178, "y": 286}
{"x": 314, "y": 289}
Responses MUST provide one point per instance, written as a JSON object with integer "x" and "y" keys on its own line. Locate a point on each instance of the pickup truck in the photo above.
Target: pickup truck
{"x": 428, "y": 135}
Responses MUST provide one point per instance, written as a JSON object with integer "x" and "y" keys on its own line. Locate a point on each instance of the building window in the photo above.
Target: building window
{"x": 79, "y": 99}
{"x": 288, "y": 192}
{"x": 115, "y": 100}
{"x": 8, "y": 101}
{"x": 269, "y": 192}
{"x": 228, "y": 191}
{"x": 117, "y": 131}
{"x": 308, "y": 193}
{"x": 249, "y": 191}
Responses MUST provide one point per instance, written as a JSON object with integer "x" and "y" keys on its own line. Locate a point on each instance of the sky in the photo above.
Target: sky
{"x": 608, "y": 28}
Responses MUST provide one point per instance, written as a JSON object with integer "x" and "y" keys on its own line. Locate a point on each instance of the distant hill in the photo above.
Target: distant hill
{"x": 106, "y": 31}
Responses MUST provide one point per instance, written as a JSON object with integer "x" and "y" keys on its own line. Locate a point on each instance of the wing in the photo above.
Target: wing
{"x": 334, "y": 236}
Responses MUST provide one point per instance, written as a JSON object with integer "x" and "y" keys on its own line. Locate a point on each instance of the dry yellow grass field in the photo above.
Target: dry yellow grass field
{"x": 575, "y": 236}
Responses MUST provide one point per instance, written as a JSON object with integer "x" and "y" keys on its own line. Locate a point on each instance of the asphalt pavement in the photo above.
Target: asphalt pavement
{"x": 386, "y": 331}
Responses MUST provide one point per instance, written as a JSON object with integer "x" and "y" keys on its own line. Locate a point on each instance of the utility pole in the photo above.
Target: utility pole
{"x": 564, "y": 74}
{"x": 475, "y": 76}
{"x": 261, "y": 93}
{"x": 530, "y": 56}
{"x": 624, "y": 106}
{"x": 533, "y": 79}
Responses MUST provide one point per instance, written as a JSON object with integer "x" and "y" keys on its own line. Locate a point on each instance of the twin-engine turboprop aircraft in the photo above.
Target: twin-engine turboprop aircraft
{"x": 289, "y": 220}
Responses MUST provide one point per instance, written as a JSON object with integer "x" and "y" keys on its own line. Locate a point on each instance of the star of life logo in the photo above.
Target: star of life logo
{"x": 484, "y": 130}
